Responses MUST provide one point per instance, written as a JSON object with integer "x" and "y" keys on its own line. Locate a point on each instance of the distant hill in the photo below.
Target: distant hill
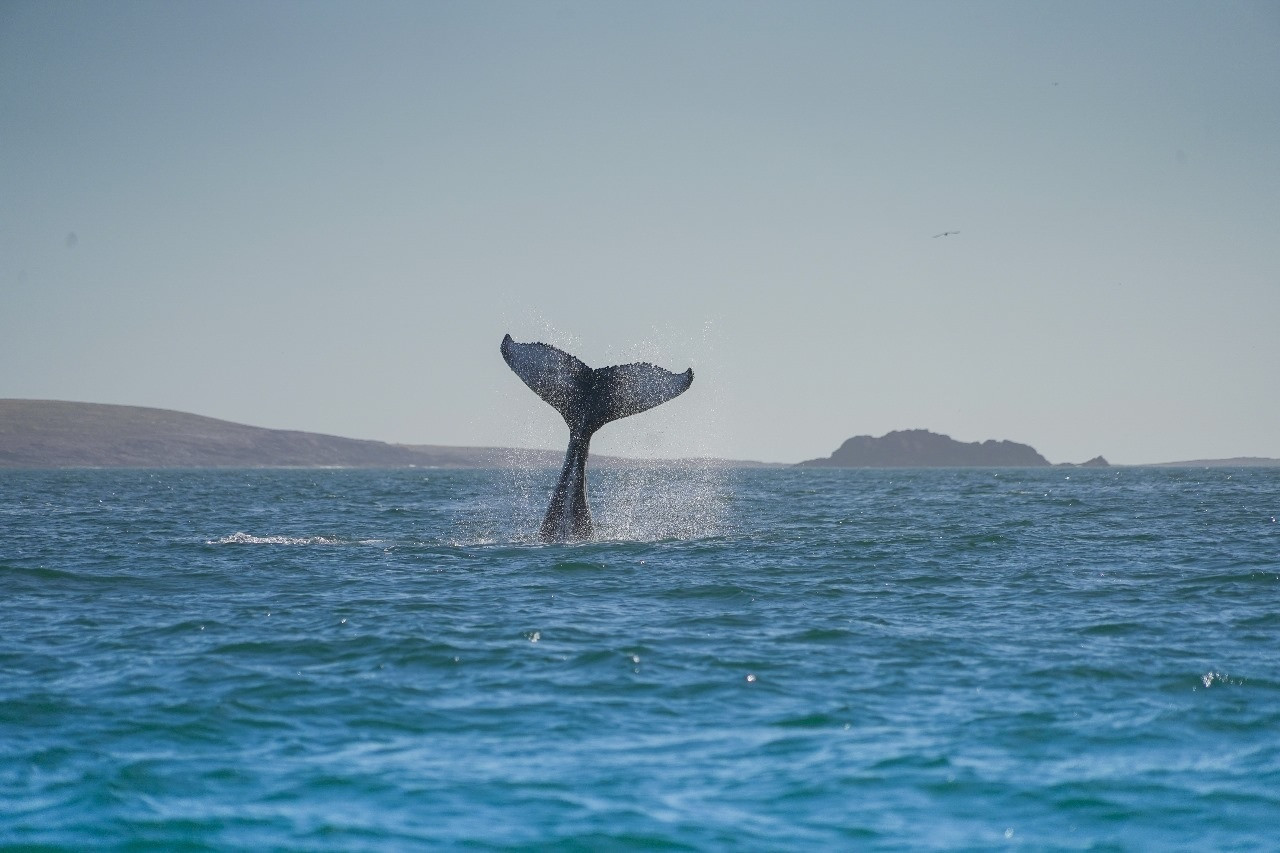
{"x": 1233, "y": 462}
{"x": 58, "y": 434}
{"x": 920, "y": 448}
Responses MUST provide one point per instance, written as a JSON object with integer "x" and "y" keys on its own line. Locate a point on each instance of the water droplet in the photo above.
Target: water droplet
{"x": 1008, "y": 832}
{"x": 751, "y": 676}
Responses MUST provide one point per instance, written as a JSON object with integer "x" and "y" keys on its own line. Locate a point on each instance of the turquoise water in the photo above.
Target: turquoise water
{"x": 754, "y": 660}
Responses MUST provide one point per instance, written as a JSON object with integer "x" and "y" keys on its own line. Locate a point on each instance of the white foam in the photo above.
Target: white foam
{"x": 249, "y": 539}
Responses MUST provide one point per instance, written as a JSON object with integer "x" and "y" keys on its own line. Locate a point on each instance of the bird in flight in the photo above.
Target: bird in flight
{"x": 945, "y": 234}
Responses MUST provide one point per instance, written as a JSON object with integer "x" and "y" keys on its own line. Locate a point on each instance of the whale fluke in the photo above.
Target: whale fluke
{"x": 587, "y": 400}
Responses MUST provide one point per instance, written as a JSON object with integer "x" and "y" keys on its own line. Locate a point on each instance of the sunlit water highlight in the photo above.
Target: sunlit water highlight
{"x": 760, "y": 659}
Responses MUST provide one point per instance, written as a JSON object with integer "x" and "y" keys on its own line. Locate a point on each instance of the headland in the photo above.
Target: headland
{"x": 61, "y": 434}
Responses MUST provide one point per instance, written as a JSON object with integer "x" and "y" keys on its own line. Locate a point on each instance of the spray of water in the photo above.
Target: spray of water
{"x": 660, "y": 499}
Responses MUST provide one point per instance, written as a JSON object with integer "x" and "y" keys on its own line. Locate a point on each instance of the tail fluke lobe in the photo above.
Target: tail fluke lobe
{"x": 629, "y": 389}
{"x": 552, "y": 374}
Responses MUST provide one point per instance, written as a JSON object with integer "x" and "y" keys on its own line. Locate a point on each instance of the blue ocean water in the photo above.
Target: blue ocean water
{"x": 750, "y": 660}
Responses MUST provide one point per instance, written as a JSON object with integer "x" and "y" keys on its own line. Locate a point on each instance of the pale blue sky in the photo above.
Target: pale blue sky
{"x": 325, "y": 216}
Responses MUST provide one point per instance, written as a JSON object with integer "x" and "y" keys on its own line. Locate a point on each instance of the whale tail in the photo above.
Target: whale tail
{"x": 588, "y": 399}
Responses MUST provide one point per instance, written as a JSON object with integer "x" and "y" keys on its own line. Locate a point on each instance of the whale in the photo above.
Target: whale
{"x": 587, "y": 399}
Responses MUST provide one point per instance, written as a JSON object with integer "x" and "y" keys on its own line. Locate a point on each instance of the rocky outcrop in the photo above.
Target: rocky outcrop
{"x": 920, "y": 448}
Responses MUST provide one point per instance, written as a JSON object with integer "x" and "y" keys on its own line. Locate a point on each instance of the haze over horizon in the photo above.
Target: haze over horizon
{"x": 324, "y": 217}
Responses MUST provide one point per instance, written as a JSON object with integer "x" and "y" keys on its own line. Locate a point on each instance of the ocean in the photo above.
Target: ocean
{"x": 754, "y": 659}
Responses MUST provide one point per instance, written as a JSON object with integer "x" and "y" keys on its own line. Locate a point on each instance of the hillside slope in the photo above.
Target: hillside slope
{"x": 57, "y": 434}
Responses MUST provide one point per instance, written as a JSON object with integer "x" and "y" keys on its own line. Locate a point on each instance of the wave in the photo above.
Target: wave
{"x": 250, "y": 539}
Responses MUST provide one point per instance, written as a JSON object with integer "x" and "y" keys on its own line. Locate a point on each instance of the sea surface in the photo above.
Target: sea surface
{"x": 778, "y": 659}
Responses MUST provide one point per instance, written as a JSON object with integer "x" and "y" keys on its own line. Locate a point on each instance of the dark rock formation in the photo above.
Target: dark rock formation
{"x": 1095, "y": 462}
{"x": 919, "y": 448}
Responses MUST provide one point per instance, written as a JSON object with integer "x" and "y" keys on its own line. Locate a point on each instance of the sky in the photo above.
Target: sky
{"x": 325, "y": 216}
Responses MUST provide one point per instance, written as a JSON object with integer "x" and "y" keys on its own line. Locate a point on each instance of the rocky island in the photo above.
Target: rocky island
{"x": 920, "y": 448}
